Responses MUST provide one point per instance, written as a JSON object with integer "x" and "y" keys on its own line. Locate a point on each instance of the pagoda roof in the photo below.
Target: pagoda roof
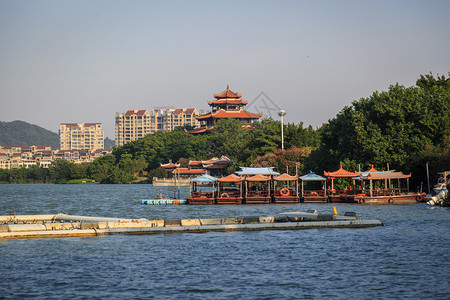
{"x": 285, "y": 177}
{"x": 341, "y": 173}
{"x": 258, "y": 177}
{"x": 170, "y": 165}
{"x": 227, "y": 94}
{"x": 200, "y": 130}
{"x": 228, "y": 101}
{"x": 231, "y": 178}
{"x": 223, "y": 114}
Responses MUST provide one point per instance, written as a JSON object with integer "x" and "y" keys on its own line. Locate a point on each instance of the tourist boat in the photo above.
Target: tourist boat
{"x": 287, "y": 193}
{"x": 230, "y": 190}
{"x": 391, "y": 193}
{"x": 342, "y": 196}
{"x": 313, "y": 195}
{"x": 258, "y": 189}
{"x": 197, "y": 196}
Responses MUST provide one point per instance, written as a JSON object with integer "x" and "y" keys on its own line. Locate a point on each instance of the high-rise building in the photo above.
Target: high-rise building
{"x": 86, "y": 136}
{"x": 132, "y": 125}
{"x": 170, "y": 118}
{"x": 136, "y": 124}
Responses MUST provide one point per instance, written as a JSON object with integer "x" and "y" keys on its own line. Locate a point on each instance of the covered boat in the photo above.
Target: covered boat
{"x": 287, "y": 192}
{"x": 206, "y": 182}
{"x": 396, "y": 189}
{"x": 345, "y": 195}
{"x": 313, "y": 194}
{"x": 258, "y": 189}
{"x": 230, "y": 190}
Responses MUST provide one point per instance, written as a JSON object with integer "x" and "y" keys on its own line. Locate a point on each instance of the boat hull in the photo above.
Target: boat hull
{"x": 394, "y": 199}
{"x": 315, "y": 199}
{"x": 258, "y": 200}
{"x": 229, "y": 200}
{"x": 200, "y": 201}
{"x": 286, "y": 199}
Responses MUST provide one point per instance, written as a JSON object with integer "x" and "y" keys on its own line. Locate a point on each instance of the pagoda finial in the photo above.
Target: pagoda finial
{"x": 228, "y": 87}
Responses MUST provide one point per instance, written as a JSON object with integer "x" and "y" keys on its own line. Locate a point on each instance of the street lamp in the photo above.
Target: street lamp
{"x": 282, "y": 113}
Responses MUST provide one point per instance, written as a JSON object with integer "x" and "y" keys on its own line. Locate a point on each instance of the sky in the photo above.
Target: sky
{"x": 83, "y": 61}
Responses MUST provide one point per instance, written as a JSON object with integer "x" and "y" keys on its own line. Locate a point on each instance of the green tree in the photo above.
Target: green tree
{"x": 387, "y": 127}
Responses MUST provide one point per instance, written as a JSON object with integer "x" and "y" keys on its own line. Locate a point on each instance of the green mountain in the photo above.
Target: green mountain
{"x": 19, "y": 133}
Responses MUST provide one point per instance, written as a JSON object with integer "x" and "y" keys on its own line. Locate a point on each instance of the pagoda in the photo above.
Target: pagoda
{"x": 227, "y": 105}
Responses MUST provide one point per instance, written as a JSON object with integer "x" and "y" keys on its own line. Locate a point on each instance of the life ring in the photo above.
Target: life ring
{"x": 314, "y": 194}
{"x": 418, "y": 198}
{"x": 284, "y": 192}
{"x": 362, "y": 200}
{"x": 224, "y": 195}
{"x": 391, "y": 200}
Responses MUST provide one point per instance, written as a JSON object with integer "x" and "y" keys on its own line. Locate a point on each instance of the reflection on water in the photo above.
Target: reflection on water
{"x": 407, "y": 258}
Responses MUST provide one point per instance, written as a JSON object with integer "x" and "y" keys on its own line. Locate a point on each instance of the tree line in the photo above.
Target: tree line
{"x": 405, "y": 127}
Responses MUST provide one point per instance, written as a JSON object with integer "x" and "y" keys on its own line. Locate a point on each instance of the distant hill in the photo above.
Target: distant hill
{"x": 19, "y": 133}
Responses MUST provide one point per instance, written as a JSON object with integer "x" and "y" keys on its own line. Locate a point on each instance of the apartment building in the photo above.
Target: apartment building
{"x": 132, "y": 125}
{"x": 86, "y": 136}
{"x": 135, "y": 124}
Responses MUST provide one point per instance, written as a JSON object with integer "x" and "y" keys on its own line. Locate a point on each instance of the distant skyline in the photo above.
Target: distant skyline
{"x": 83, "y": 61}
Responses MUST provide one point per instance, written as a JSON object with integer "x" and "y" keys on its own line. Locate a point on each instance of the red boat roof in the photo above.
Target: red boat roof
{"x": 285, "y": 177}
{"x": 231, "y": 178}
{"x": 258, "y": 177}
{"x": 341, "y": 173}
{"x": 392, "y": 175}
{"x": 372, "y": 169}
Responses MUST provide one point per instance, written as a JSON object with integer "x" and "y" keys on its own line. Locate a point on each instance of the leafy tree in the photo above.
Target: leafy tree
{"x": 118, "y": 176}
{"x": 61, "y": 170}
{"x": 387, "y": 127}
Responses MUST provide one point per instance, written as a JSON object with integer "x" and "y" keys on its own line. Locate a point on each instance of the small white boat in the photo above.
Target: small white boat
{"x": 440, "y": 194}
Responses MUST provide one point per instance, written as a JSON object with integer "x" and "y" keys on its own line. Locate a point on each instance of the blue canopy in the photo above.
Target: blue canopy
{"x": 312, "y": 177}
{"x": 256, "y": 171}
{"x": 204, "y": 178}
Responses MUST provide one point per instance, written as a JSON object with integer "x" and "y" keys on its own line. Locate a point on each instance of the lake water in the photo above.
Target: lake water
{"x": 408, "y": 258}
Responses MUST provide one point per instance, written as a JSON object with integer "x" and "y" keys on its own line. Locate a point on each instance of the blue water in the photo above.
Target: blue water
{"x": 408, "y": 258}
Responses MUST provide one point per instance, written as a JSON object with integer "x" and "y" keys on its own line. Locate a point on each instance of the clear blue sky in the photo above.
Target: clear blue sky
{"x": 83, "y": 61}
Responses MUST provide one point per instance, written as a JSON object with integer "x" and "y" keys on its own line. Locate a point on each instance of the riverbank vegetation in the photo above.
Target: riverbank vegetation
{"x": 403, "y": 127}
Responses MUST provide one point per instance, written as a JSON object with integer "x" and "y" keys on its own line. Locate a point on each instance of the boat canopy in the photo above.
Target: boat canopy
{"x": 256, "y": 171}
{"x": 312, "y": 177}
{"x": 204, "y": 178}
{"x": 387, "y": 175}
{"x": 341, "y": 173}
{"x": 285, "y": 177}
{"x": 364, "y": 175}
{"x": 231, "y": 178}
{"x": 258, "y": 177}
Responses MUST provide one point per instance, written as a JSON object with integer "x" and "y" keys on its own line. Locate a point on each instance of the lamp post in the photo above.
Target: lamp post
{"x": 282, "y": 113}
